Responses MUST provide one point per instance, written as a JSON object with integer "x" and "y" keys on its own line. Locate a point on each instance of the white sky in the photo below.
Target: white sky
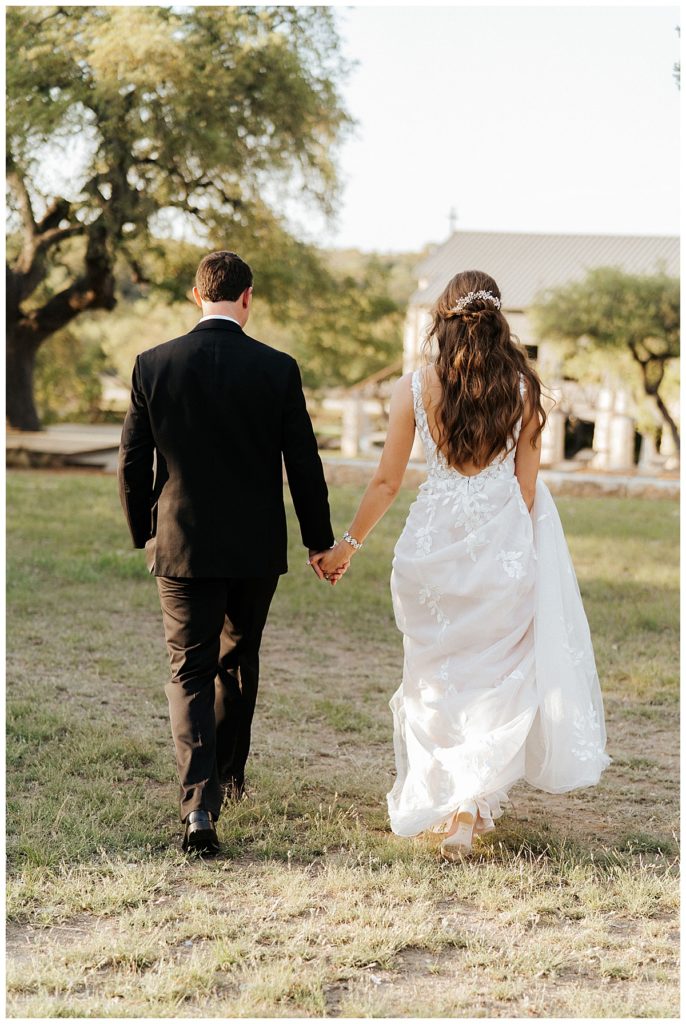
{"x": 523, "y": 118}
{"x": 539, "y": 118}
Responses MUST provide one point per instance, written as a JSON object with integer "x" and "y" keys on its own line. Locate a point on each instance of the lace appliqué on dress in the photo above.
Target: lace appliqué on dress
{"x": 511, "y": 562}
{"x": 588, "y": 745}
{"x": 470, "y": 505}
{"x": 479, "y": 762}
{"x": 475, "y": 540}
{"x": 431, "y": 597}
{"x": 424, "y": 534}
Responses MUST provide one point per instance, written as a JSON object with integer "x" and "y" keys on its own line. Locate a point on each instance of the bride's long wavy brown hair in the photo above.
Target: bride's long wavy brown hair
{"x": 478, "y": 361}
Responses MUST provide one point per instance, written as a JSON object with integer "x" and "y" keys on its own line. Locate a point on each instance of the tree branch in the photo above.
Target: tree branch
{"x": 183, "y": 204}
{"x": 16, "y": 181}
{"x": 37, "y": 325}
{"x": 56, "y": 235}
{"x": 93, "y": 290}
{"x": 38, "y": 236}
{"x": 30, "y": 267}
{"x": 235, "y": 201}
{"x": 669, "y": 421}
{"x": 57, "y": 211}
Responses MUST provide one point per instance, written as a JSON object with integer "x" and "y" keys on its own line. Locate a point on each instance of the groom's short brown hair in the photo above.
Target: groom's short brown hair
{"x": 222, "y": 276}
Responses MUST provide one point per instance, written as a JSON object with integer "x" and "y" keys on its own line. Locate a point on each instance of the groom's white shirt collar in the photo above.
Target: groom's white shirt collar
{"x": 218, "y": 316}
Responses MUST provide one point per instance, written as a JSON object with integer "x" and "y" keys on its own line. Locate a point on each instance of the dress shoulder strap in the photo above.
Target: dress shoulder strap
{"x": 420, "y": 417}
{"x": 416, "y": 382}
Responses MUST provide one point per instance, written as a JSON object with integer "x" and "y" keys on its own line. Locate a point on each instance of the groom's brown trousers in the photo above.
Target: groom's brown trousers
{"x": 213, "y": 628}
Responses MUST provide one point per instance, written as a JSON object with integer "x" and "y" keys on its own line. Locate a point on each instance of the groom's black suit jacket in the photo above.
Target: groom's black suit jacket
{"x": 200, "y": 471}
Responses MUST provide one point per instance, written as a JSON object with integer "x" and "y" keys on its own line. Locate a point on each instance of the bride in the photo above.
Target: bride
{"x": 499, "y": 678}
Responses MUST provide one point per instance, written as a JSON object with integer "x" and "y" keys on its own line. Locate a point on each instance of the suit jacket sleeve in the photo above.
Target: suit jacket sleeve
{"x": 135, "y": 467}
{"x": 304, "y": 468}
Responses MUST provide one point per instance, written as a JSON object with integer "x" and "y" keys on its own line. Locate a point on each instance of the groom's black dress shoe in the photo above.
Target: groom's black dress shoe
{"x": 200, "y": 835}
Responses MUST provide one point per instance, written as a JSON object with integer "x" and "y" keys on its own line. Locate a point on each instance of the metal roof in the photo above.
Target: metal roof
{"x": 523, "y": 264}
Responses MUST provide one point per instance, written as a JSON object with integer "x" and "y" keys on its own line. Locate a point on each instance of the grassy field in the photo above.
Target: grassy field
{"x": 569, "y": 909}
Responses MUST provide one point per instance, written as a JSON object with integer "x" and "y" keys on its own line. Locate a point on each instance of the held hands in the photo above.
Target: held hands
{"x": 330, "y": 565}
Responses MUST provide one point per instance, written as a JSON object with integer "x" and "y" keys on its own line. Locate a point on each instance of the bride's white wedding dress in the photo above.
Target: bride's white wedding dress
{"x": 499, "y": 678}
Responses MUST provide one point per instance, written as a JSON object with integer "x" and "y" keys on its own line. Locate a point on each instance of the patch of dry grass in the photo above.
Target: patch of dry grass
{"x": 568, "y": 910}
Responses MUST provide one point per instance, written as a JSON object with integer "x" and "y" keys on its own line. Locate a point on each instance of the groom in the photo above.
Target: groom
{"x": 201, "y": 483}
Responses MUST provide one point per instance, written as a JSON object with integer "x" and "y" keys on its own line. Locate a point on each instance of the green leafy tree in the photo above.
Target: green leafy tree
{"x": 342, "y": 330}
{"x": 610, "y": 310}
{"x": 68, "y": 378}
{"x": 353, "y": 327}
{"x": 208, "y": 118}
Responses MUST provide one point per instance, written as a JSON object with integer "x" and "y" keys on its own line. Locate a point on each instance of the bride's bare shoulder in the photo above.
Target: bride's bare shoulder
{"x": 402, "y": 397}
{"x": 403, "y": 385}
{"x": 402, "y": 402}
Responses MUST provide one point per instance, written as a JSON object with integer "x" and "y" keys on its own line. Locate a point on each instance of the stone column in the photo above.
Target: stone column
{"x": 553, "y": 438}
{"x": 416, "y": 323}
{"x": 648, "y": 457}
{"x": 622, "y": 431}
{"x": 601, "y": 433}
{"x": 410, "y": 340}
{"x": 353, "y": 425}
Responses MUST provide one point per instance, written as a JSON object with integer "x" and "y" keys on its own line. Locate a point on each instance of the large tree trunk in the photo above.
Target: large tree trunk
{"x": 21, "y": 407}
{"x": 26, "y": 332}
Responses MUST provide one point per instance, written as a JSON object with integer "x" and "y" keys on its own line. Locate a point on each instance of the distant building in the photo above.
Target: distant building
{"x": 524, "y": 265}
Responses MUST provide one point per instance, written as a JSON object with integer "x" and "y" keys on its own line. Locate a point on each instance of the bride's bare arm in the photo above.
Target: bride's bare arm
{"x": 528, "y": 459}
{"x": 387, "y": 479}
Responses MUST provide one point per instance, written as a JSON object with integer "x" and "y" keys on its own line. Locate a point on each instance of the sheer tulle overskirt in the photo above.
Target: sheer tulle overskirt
{"x": 568, "y": 749}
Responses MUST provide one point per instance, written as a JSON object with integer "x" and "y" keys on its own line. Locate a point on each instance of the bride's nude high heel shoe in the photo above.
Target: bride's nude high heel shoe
{"x": 460, "y": 841}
